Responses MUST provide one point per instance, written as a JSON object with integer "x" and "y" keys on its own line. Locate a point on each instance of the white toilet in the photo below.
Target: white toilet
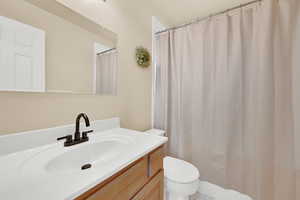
{"x": 181, "y": 177}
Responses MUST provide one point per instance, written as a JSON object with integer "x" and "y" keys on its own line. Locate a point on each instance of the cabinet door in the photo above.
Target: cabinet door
{"x": 156, "y": 161}
{"x": 124, "y": 186}
{"x": 154, "y": 190}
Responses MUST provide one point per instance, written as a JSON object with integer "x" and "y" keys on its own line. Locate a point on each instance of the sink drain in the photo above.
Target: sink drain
{"x": 87, "y": 166}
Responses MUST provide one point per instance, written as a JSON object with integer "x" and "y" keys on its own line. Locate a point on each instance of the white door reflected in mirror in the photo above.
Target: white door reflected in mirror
{"x": 22, "y": 57}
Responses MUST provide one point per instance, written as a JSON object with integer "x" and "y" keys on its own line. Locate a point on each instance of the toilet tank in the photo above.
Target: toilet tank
{"x": 156, "y": 132}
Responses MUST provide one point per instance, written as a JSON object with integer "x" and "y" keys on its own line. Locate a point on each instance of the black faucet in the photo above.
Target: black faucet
{"x": 78, "y": 139}
{"x": 87, "y": 124}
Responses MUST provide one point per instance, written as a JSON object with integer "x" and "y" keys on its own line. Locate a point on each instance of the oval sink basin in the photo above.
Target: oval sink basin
{"x": 78, "y": 158}
{"x": 74, "y": 160}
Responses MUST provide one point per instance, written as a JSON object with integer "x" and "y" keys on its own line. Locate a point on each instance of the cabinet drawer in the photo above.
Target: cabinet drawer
{"x": 125, "y": 185}
{"x": 154, "y": 190}
{"x": 156, "y": 161}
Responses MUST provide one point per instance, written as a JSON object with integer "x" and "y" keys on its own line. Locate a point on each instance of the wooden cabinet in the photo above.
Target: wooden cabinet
{"x": 142, "y": 180}
{"x": 155, "y": 161}
{"x": 154, "y": 190}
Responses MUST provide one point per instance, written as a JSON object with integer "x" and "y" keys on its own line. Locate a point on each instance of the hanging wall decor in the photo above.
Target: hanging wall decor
{"x": 143, "y": 57}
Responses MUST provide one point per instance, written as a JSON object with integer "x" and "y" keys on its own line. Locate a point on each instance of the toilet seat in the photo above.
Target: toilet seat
{"x": 180, "y": 171}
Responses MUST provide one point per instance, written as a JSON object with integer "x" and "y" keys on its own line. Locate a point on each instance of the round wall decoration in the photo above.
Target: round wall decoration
{"x": 143, "y": 57}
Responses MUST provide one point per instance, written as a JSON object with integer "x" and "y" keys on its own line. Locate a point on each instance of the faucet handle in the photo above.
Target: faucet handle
{"x": 68, "y": 138}
{"x": 85, "y": 134}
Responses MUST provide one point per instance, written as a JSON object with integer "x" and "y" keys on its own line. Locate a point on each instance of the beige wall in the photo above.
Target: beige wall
{"x": 69, "y": 48}
{"x": 25, "y": 111}
{"x": 176, "y": 12}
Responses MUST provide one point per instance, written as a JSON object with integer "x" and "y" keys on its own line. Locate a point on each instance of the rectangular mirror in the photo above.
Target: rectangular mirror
{"x": 46, "y": 47}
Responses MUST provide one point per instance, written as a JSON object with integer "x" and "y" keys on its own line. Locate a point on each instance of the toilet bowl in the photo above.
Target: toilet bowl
{"x": 181, "y": 177}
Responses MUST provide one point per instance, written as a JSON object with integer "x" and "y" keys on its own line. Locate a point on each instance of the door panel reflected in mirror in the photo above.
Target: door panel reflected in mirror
{"x": 50, "y": 48}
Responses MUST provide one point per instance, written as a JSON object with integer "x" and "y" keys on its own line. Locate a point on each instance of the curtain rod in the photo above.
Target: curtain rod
{"x": 212, "y": 15}
{"x": 106, "y": 51}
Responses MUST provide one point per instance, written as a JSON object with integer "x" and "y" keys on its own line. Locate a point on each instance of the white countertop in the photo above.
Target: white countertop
{"x": 19, "y": 184}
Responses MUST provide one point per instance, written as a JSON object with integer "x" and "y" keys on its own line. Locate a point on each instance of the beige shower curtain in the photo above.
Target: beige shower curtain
{"x": 224, "y": 95}
{"x": 106, "y": 73}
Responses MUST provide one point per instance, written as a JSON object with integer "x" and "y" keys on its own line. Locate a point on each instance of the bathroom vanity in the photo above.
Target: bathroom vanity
{"x": 142, "y": 180}
{"x": 115, "y": 163}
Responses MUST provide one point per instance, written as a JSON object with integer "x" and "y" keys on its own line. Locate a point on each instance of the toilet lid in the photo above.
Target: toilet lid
{"x": 180, "y": 171}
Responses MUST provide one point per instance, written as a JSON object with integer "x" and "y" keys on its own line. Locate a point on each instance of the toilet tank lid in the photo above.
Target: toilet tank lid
{"x": 157, "y": 132}
{"x": 180, "y": 171}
